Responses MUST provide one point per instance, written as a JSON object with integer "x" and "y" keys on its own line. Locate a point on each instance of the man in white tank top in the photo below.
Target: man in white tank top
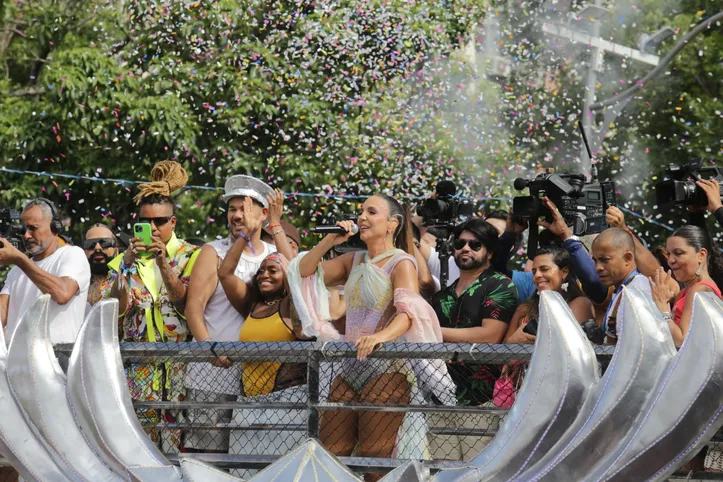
{"x": 210, "y": 315}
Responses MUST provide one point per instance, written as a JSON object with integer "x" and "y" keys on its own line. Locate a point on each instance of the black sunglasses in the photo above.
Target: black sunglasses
{"x": 105, "y": 243}
{"x": 159, "y": 221}
{"x": 474, "y": 245}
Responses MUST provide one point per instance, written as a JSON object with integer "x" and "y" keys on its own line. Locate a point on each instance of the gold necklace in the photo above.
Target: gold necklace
{"x": 273, "y": 302}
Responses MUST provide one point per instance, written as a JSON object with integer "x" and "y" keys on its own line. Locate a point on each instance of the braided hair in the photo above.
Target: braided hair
{"x": 166, "y": 177}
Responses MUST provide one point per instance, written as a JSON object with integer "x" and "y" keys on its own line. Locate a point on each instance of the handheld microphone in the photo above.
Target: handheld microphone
{"x": 334, "y": 229}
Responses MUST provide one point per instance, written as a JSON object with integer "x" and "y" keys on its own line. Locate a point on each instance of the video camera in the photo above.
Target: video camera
{"x": 444, "y": 209}
{"x": 582, "y": 204}
{"x": 681, "y": 190}
{"x": 443, "y": 212}
{"x": 11, "y": 228}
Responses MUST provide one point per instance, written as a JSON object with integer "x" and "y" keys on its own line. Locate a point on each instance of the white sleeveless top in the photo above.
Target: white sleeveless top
{"x": 223, "y": 323}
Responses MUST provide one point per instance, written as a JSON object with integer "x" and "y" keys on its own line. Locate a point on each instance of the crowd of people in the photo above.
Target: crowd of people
{"x": 257, "y": 285}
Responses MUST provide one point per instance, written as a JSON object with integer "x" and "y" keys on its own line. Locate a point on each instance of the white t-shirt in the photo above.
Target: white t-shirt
{"x": 640, "y": 282}
{"x": 435, "y": 267}
{"x": 223, "y": 323}
{"x": 66, "y": 261}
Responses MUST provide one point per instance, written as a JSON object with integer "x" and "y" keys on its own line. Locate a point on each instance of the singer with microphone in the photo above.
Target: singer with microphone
{"x": 383, "y": 304}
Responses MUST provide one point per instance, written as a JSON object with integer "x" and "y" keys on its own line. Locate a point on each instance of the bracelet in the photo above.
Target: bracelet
{"x": 272, "y": 226}
{"x": 248, "y": 241}
{"x": 126, "y": 270}
{"x": 278, "y": 231}
{"x": 208, "y": 338}
{"x": 668, "y": 316}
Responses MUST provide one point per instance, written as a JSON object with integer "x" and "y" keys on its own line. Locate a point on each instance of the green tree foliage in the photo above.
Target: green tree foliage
{"x": 320, "y": 97}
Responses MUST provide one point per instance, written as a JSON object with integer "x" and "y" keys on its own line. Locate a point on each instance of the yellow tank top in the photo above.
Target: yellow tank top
{"x": 259, "y": 377}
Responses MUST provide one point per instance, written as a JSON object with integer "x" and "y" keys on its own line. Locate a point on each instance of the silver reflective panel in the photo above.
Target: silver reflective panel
{"x": 310, "y": 462}
{"x": 412, "y": 471}
{"x": 641, "y": 356}
{"x": 197, "y": 471}
{"x": 38, "y": 385}
{"x": 562, "y": 372}
{"x": 30, "y": 456}
{"x": 99, "y": 396}
{"x": 155, "y": 474}
{"x": 685, "y": 411}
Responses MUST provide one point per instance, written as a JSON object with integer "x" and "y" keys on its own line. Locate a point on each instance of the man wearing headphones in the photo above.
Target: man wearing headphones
{"x": 53, "y": 268}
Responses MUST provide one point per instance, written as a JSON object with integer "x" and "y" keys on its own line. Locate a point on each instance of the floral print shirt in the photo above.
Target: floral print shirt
{"x": 151, "y": 317}
{"x": 492, "y": 296}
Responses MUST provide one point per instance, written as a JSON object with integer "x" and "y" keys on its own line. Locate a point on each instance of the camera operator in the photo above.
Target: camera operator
{"x": 60, "y": 271}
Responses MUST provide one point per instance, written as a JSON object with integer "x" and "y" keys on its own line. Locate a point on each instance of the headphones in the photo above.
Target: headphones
{"x": 56, "y": 226}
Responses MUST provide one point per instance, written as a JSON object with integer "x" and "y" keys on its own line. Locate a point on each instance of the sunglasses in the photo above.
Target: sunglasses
{"x": 474, "y": 245}
{"x": 159, "y": 221}
{"x": 105, "y": 243}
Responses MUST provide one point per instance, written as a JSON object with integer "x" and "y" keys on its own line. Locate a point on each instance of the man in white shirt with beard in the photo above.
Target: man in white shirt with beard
{"x": 212, "y": 318}
{"x": 53, "y": 268}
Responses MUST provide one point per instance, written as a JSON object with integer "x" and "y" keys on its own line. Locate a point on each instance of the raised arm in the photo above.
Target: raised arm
{"x": 276, "y": 209}
{"x": 582, "y": 264}
{"x": 237, "y": 290}
{"x": 336, "y": 271}
{"x": 646, "y": 261}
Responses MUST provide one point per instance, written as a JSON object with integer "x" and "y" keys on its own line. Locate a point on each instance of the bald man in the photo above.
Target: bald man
{"x": 100, "y": 247}
{"x": 613, "y": 253}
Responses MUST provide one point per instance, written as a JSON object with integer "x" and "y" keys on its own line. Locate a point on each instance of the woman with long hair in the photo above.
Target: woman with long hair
{"x": 551, "y": 270}
{"x": 694, "y": 261}
{"x": 383, "y": 304}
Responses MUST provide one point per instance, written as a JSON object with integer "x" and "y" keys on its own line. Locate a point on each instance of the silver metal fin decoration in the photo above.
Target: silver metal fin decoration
{"x": 30, "y": 456}
{"x": 310, "y": 462}
{"x": 642, "y": 353}
{"x": 38, "y": 385}
{"x": 155, "y": 474}
{"x": 412, "y": 471}
{"x": 562, "y": 372}
{"x": 686, "y": 409}
{"x": 197, "y": 471}
{"x": 98, "y": 394}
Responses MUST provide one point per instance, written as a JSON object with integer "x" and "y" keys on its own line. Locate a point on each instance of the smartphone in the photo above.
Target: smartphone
{"x": 143, "y": 232}
{"x": 531, "y": 327}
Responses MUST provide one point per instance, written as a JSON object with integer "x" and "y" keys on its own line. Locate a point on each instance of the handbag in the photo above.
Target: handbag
{"x": 506, "y": 386}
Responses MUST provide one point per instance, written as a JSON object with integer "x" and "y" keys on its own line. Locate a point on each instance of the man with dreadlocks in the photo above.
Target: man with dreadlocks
{"x": 150, "y": 282}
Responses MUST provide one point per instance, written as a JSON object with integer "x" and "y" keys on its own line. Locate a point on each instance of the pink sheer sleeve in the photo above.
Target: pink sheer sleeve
{"x": 425, "y": 325}
{"x": 432, "y": 375}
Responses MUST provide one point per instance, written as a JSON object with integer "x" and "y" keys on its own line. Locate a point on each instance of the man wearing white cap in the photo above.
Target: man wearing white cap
{"x": 211, "y": 316}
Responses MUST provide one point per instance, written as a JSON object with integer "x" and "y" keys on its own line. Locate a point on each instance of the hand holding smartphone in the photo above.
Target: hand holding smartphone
{"x": 143, "y": 231}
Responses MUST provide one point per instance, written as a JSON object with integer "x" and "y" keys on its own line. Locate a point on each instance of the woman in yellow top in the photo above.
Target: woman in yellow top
{"x": 266, "y": 304}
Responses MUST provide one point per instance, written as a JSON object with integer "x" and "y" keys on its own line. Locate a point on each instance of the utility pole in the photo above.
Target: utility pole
{"x": 598, "y": 47}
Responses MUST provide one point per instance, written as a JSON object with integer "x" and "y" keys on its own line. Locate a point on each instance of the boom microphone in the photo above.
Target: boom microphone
{"x": 334, "y": 229}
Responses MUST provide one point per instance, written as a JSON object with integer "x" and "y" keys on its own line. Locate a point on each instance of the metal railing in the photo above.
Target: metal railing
{"x": 293, "y": 420}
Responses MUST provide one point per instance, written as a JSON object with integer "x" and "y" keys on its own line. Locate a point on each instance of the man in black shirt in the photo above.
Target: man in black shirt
{"x": 477, "y": 308}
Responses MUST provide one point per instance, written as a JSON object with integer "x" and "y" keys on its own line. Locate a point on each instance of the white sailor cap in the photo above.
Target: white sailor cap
{"x": 240, "y": 185}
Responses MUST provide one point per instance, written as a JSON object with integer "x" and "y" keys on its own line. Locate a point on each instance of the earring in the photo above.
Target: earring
{"x": 698, "y": 272}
